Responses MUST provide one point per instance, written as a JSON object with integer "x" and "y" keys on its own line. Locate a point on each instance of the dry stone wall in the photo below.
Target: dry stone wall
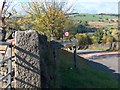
{"x": 27, "y": 62}
{"x": 35, "y": 64}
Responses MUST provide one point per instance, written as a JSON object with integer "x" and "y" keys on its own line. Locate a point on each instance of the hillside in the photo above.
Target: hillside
{"x": 94, "y": 17}
{"x": 84, "y": 76}
{"x": 96, "y": 20}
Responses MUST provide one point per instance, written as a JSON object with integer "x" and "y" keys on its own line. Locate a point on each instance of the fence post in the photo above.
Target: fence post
{"x": 75, "y": 54}
{"x": 10, "y": 66}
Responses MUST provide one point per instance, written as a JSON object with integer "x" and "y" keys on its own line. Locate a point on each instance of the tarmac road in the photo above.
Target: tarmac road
{"x": 103, "y": 60}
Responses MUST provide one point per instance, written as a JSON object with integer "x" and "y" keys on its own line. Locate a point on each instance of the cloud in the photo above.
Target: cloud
{"x": 85, "y": 6}
{"x": 97, "y": 1}
{"x": 95, "y": 7}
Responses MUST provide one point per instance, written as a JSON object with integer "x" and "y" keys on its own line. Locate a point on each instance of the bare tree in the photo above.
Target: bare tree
{"x": 4, "y": 13}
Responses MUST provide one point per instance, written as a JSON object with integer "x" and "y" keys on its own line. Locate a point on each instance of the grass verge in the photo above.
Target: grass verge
{"x": 84, "y": 76}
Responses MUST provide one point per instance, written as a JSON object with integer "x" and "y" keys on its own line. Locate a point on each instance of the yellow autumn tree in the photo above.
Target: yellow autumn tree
{"x": 48, "y": 17}
{"x": 20, "y": 22}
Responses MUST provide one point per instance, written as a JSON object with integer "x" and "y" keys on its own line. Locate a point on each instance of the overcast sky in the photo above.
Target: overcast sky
{"x": 88, "y": 6}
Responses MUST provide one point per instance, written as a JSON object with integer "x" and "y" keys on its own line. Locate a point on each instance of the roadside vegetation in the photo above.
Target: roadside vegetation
{"x": 99, "y": 37}
{"x": 84, "y": 76}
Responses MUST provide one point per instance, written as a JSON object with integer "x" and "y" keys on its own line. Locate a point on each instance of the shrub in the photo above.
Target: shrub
{"x": 104, "y": 39}
{"x": 116, "y": 35}
{"x": 106, "y": 36}
{"x": 107, "y": 39}
{"x": 97, "y": 37}
{"x": 83, "y": 39}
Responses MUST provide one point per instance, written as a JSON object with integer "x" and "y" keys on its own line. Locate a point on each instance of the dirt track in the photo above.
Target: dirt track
{"x": 102, "y": 24}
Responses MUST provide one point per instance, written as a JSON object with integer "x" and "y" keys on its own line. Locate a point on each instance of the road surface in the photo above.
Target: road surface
{"x": 103, "y": 60}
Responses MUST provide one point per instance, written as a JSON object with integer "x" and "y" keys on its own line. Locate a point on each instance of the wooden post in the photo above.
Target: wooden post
{"x": 75, "y": 54}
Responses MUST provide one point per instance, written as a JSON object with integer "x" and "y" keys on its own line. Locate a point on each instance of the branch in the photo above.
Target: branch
{"x": 3, "y": 5}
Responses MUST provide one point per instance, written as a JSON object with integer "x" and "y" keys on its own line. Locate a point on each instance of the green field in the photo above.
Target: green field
{"x": 96, "y": 21}
{"x": 84, "y": 76}
{"x": 92, "y": 17}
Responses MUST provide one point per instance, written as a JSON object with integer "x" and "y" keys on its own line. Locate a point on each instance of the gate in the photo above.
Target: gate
{"x": 8, "y": 60}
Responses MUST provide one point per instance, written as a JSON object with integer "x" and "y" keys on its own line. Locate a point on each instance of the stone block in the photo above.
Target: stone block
{"x": 27, "y": 62}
